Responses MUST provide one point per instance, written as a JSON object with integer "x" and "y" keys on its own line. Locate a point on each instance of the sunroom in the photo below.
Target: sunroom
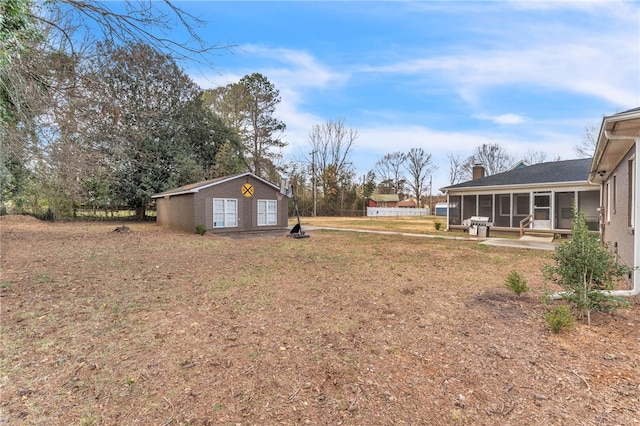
{"x": 534, "y": 198}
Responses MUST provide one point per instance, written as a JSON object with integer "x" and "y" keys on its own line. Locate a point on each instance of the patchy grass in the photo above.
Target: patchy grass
{"x": 155, "y": 326}
{"x": 409, "y": 224}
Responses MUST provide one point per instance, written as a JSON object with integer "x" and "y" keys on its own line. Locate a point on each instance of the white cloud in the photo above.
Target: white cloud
{"x": 599, "y": 71}
{"x": 599, "y": 61}
{"x": 502, "y": 118}
{"x": 298, "y": 68}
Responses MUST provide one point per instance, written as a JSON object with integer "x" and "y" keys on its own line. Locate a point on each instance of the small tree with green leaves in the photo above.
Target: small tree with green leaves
{"x": 586, "y": 269}
{"x": 516, "y": 283}
{"x": 560, "y": 319}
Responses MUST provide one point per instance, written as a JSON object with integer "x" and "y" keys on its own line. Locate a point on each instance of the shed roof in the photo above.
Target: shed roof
{"x": 550, "y": 172}
{"x": 195, "y": 187}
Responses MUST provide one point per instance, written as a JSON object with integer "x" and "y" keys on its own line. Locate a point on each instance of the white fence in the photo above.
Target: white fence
{"x": 396, "y": 211}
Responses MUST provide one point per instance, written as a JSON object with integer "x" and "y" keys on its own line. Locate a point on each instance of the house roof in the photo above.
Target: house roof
{"x": 520, "y": 164}
{"x": 550, "y": 172}
{"x": 385, "y": 197}
{"x": 409, "y": 202}
{"x": 617, "y": 135}
{"x": 195, "y": 187}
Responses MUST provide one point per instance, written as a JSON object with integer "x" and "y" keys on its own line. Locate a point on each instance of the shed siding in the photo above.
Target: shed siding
{"x": 176, "y": 211}
{"x": 186, "y": 210}
{"x": 247, "y": 206}
{"x": 617, "y": 231}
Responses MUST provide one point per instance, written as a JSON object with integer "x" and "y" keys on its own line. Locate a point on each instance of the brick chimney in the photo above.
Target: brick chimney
{"x": 478, "y": 171}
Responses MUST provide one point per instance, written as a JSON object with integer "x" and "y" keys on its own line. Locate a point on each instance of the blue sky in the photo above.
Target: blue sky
{"x": 444, "y": 76}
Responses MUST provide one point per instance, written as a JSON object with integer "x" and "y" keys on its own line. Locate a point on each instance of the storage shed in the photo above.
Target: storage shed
{"x": 441, "y": 209}
{"x": 243, "y": 202}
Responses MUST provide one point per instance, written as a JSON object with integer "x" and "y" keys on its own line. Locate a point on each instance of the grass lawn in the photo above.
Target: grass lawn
{"x": 159, "y": 327}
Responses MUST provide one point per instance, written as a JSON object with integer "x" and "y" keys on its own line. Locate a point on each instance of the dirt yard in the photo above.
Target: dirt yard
{"x": 157, "y": 327}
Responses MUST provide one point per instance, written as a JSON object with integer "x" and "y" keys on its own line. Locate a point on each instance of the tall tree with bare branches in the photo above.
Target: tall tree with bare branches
{"x": 419, "y": 167}
{"x": 389, "y": 172}
{"x": 587, "y": 147}
{"x": 332, "y": 143}
{"x": 455, "y": 168}
{"x": 493, "y": 157}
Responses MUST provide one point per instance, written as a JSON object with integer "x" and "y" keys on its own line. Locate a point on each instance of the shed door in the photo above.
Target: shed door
{"x": 542, "y": 211}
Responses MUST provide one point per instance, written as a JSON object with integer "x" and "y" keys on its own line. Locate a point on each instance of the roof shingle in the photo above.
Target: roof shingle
{"x": 550, "y": 172}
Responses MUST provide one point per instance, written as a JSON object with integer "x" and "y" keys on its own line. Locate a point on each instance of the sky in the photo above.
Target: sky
{"x": 444, "y": 76}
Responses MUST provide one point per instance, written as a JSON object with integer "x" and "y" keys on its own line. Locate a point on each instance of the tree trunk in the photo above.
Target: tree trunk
{"x": 140, "y": 213}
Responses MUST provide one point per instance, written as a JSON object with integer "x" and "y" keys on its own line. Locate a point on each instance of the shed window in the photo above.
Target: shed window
{"x": 225, "y": 212}
{"x": 267, "y": 212}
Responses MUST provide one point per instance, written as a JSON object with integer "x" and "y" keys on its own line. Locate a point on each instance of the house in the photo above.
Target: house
{"x": 537, "y": 197}
{"x": 408, "y": 203}
{"x": 615, "y": 168}
{"x": 243, "y": 202}
{"x": 384, "y": 200}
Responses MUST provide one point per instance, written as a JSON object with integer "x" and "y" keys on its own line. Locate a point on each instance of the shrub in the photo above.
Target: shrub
{"x": 560, "y": 319}
{"x": 47, "y": 216}
{"x": 437, "y": 225}
{"x": 201, "y": 229}
{"x": 516, "y": 283}
{"x": 586, "y": 270}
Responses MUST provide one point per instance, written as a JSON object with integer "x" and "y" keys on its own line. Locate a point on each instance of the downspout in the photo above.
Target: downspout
{"x": 635, "y": 290}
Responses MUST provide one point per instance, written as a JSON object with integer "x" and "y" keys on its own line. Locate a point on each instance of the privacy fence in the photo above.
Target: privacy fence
{"x": 396, "y": 211}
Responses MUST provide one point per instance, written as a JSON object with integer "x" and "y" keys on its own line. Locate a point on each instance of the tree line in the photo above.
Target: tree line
{"x": 112, "y": 119}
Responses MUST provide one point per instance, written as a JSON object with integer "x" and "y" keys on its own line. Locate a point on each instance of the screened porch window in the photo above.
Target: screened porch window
{"x": 485, "y": 206}
{"x": 521, "y": 208}
{"x": 505, "y": 205}
{"x": 454, "y": 210}
{"x": 521, "y": 204}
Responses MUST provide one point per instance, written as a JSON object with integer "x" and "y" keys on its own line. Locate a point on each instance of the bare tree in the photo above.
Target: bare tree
{"x": 455, "y": 168}
{"x": 587, "y": 147}
{"x": 37, "y": 34}
{"x": 332, "y": 142}
{"x": 419, "y": 167}
{"x": 535, "y": 157}
{"x": 148, "y": 22}
{"x": 492, "y": 157}
{"x": 389, "y": 171}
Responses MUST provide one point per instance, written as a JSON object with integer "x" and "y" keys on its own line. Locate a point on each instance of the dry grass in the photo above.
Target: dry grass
{"x": 159, "y": 327}
{"x": 408, "y": 224}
